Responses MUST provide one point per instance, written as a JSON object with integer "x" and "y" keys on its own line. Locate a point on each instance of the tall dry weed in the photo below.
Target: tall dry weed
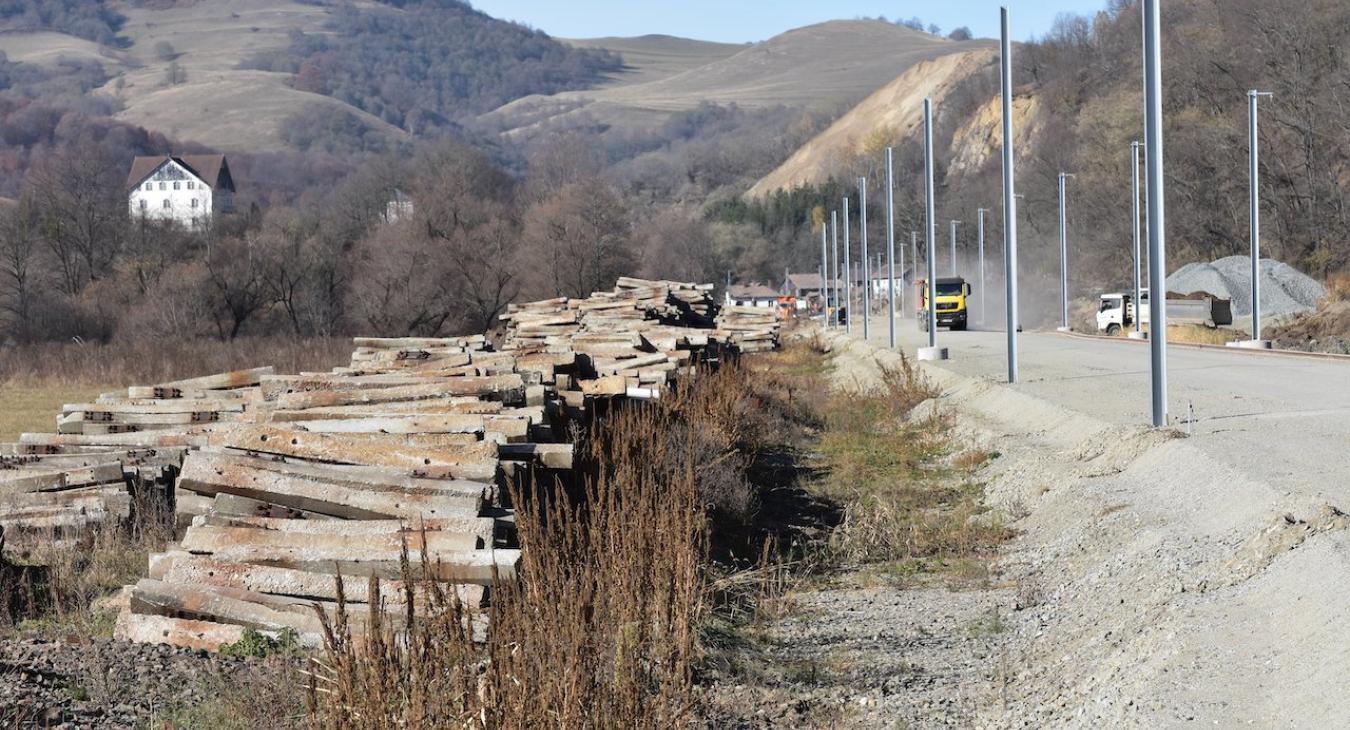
{"x": 599, "y": 630}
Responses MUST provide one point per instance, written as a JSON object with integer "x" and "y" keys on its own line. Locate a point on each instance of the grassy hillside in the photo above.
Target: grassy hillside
{"x": 820, "y": 67}
{"x": 651, "y": 57}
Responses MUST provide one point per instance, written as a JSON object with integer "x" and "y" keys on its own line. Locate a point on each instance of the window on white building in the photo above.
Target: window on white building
{"x": 176, "y": 186}
{"x": 150, "y": 186}
{"x": 145, "y": 204}
{"x": 194, "y": 202}
{"x": 162, "y": 186}
{"x": 167, "y": 204}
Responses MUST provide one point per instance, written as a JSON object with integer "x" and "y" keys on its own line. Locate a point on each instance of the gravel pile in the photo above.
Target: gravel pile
{"x": 1284, "y": 289}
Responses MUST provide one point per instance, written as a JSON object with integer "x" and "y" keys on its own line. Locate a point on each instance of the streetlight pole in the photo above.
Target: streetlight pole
{"x": 1157, "y": 234}
{"x": 890, "y": 240}
{"x": 979, "y": 226}
{"x": 932, "y": 352}
{"x": 1009, "y": 201}
{"x": 834, "y": 260}
{"x": 1138, "y": 263}
{"x": 1063, "y": 256}
{"x": 953, "y": 242}
{"x": 848, "y": 275}
{"x": 824, "y": 271}
{"x": 866, "y": 261}
{"x": 914, "y": 254}
{"x": 1255, "y": 161}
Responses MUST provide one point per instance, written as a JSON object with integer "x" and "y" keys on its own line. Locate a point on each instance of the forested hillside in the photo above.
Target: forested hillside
{"x": 1083, "y": 81}
{"x": 419, "y": 64}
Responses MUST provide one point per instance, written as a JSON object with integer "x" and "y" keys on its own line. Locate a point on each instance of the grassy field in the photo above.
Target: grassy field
{"x": 35, "y": 408}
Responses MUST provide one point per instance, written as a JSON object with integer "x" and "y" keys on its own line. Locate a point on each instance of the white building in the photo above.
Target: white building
{"x": 400, "y": 207}
{"x": 189, "y": 189}
{"x": 754, "y": 295}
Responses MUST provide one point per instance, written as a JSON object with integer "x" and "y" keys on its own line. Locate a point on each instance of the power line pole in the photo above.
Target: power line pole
{"x": 1063, "y": 256}
{"x": 1157, "y": 236}
{"x": 1009, "y": 193}
{"x": 890, "y": 240}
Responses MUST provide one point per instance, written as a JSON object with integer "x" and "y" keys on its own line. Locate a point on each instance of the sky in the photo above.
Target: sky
{"x": 741, "y": 21}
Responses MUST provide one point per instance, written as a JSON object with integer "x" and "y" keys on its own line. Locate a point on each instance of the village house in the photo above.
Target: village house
{"x": 752, "y": 295}
{"x": 400, "y": 207}
{"x": 188, "y": 189}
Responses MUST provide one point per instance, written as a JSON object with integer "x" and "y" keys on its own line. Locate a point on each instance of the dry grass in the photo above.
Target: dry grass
{"x": 902, "y": 505}
{"x": 142, "y": 362}
{"x": 35, "y": 408}
{"x": 600, "y": 630}
{"x": 59, "y": 591}
{"x": 1338, "y": 287}
{"x": 1195, "y": 334}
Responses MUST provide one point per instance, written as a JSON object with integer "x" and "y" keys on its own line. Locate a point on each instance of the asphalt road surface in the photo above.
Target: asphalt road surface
{"x": 1283, "y": 419}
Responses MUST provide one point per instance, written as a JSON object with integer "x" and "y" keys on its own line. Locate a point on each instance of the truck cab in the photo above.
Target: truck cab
{"x": 1115, "y": 312}
{"x": 953, "y": 298}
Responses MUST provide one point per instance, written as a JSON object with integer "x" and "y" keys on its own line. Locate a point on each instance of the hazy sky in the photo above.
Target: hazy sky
{"x": 738, "y": 21}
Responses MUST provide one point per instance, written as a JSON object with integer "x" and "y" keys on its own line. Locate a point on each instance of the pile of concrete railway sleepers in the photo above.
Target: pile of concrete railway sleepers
{"x": 285, "y": 482}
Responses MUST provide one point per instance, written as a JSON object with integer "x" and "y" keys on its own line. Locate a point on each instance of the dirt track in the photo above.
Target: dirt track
{"x": 1166, "y": 579}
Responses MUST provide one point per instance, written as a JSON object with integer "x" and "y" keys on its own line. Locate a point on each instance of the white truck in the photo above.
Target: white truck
{"x": 1117, "y": 311}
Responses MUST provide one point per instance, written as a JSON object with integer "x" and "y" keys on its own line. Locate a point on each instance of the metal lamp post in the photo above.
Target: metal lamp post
{"x": 1009, "y": 201}
{"x": 848, "y": 274}
{"x": 1255, "y": 215}
{"x": 979, "y": 237}
{"x": 866, "y": 261}
{"x": 953, "y": 245}
{"x": 1138, "y": 262}
{"x": 834, "y": 260}
{"x": 824, "y": 272}
{"x": 890, "y": 242}
{"x": 1157, "y": 232}
{"x": 1063, "y": 256}
{"x": 932, "y": 352}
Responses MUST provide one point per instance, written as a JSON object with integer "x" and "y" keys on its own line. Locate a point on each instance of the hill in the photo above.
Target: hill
{"x": 820, "y": 67}
{"x": 895, "y": 109}
{"x": 651, "y": 57}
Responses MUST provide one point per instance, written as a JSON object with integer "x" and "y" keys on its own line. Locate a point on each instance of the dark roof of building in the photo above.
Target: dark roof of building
{"x": 212, "y": 169}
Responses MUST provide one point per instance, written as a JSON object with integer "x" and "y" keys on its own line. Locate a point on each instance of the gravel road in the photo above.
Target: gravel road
{"x": 1185, "y": 576}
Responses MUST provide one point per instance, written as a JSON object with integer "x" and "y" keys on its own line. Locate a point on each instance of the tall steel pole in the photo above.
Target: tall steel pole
{"x": 914, "y": 254}
{"x": 866, "y": 261}
{"x": 1063, "y": 255}
{"x": 930, "y": 225}
{"x": 979, "y": 227}
{"x": 834, "y": 259}
{"x": 1009, "y": 201}
{"x": 1134, "y": 207}
{"x": 890, "y": 243}
{"x": 953, "y": 240}
{"x": 848, "y": 274}
{"x": 824, "y": 271}
{"x": 1157, "y": 237}
{"x": 1255, "y": 159}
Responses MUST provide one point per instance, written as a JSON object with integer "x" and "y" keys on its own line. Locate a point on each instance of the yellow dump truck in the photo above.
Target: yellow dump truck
{"x": 953, "y": 298}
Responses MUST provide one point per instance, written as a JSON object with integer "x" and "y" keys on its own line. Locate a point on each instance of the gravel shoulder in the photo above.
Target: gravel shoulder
{"x": 1179, "y": 576}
